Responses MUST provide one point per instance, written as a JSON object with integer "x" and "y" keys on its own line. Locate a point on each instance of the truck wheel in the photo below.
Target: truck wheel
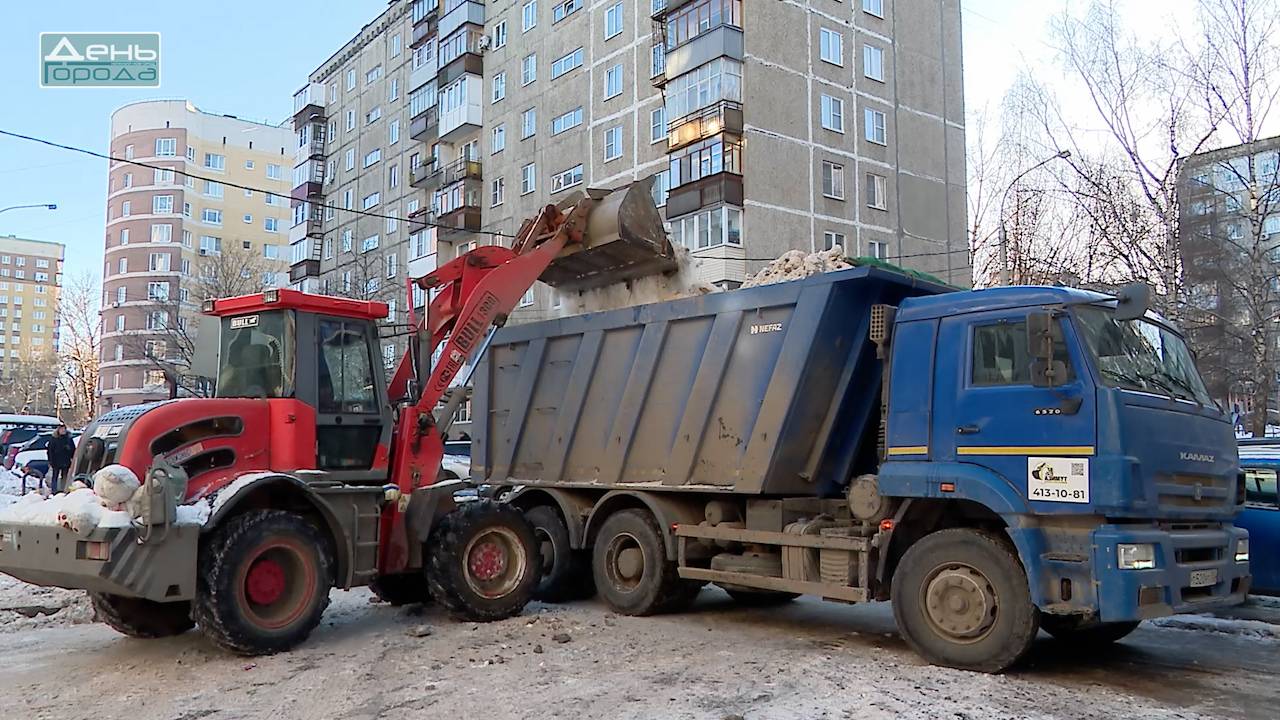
{"x": 263, "y": 582}
{"x": 141, "y": 618}
{"x": 961, "y": 599}
{"x": 401, "y": 588}
{"x": 760, "y": 598}
{"x": 483, "y": 561}
{"x": 632, "y": 573}
{"x": 566, "y": 574}
{"x": 1070, "y": 631}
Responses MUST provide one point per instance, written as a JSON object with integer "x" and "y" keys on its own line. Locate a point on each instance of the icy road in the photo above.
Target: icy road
{"x": 719, "y": 661}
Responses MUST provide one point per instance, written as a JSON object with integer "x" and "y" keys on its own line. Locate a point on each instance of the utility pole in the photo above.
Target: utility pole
{"x": 1004, "y": 236}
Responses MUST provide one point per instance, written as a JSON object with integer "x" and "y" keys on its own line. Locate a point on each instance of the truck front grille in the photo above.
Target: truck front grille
{"x": 1195, "y": 491}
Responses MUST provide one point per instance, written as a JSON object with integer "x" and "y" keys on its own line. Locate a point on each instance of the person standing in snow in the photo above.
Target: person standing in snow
{"x": 61, "y": 448}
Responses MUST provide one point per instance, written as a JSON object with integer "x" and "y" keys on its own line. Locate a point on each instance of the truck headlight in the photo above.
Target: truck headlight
{"x": 1136, "y": 557}
{"x": 1242, "y": 550}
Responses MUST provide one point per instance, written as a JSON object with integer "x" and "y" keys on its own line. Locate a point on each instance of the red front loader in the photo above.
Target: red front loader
{"x": 309, "y": 470}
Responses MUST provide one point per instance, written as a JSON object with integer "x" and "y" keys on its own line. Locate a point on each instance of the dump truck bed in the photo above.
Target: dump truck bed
{"x": 771, "y": 390}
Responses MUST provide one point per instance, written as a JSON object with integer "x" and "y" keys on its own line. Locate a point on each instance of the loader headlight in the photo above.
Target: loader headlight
{"x": 1136, "y": 556}
{"x": 1242, "y": 550}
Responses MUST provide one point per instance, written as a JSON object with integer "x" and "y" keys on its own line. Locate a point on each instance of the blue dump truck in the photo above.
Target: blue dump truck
{"x": 992, "y": 462}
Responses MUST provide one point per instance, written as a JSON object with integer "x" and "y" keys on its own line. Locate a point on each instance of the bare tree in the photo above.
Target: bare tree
{"x": 81, "y": 347}
{"x": 369, "y": 275}
{"x": 29, "y": 382}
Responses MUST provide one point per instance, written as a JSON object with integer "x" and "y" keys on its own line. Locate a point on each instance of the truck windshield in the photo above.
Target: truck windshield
{"x": 256, "y": 358}
{"x": 1140, "y": 355}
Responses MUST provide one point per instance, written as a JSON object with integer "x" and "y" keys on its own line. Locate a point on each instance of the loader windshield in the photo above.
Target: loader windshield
{"x": 256, "y": 358}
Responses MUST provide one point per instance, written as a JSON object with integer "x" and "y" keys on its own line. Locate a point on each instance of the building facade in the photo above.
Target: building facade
{"x": 174, "y": 239}
{"x": 30, "y": 284}
{"x": 1229, "y": 238}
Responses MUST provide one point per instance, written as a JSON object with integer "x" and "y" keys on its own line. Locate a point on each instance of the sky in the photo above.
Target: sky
{"x": 231, "y": 57}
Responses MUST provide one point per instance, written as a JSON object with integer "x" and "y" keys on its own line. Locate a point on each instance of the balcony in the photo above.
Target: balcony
{"x": 426, "y": 177}
{"x": 311, "y": 144}
{"x": 722, "y": 117}
{"x": 308, "y": 105}
{"x": 423, "y": 125}
{"x": 418, "y": 220}
{"x": 458, "y": 223}
{"x": 424, "y": 22}
{"x": 467, "y": 116}
{"x": 715, "y": 189}
{"x": 307, "y": 223}
{"x": 722, "y": 41}
{"x": 459, "y": 171}
{"x": 300, "y": 271}
{"x": 424, "y": 73}
{"x": 308, "y": 181}
{"x": 458, "y": 14}
{"x": 460, "y": 55}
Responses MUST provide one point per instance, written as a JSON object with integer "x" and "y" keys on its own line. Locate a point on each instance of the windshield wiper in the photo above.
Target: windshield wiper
{"x": 1139, "y": 381}
{"x": 1183, "y": 384}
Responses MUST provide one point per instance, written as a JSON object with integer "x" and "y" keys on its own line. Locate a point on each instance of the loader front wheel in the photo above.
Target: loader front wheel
{"x": 483, "y": 561}
{"x": 263, "y": 582}
{"x": 141, "y": 618}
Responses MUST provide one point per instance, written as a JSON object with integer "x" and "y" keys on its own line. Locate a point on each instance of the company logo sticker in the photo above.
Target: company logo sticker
{"x": 100, "y": 60}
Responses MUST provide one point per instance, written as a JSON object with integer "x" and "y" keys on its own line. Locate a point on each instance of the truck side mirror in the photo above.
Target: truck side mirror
{"x": 1133, "y": 301}
{"x": 1043, "y": 335}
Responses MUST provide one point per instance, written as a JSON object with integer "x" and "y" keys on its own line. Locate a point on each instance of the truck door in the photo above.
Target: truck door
{"x": 349, "y": 413}
{"x": 987, "y": 412}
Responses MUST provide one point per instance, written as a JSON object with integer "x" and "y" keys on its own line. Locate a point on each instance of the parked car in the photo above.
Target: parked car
{"x": 17, "y": 429}
{"x": 457, "y": 459}
{"x": 1260, "y": 462}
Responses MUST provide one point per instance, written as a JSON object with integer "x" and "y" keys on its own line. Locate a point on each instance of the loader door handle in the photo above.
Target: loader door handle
{"x": 968, "y": 430}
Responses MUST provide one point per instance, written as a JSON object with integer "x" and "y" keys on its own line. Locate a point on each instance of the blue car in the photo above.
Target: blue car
{"x": 1261, "y": 515}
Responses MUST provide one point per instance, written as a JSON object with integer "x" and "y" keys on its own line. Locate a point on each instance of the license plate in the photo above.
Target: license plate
{"x": 1203, "y": 578}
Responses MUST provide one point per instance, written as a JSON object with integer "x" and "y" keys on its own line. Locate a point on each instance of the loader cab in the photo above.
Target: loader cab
{"x": 319, "y": 350}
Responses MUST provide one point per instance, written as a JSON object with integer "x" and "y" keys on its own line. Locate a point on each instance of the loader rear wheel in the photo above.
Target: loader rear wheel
{"x": 401, "y": 588}
{"x": 483, "y": 561}
{"x": 632, "y": 573}
{"x": 141, "y": 618}
{"x": 961, "y": 599}
{"x": 566, "y": 573}
{"x": 1070, "y": 631}
{"x": 263, "y": 582}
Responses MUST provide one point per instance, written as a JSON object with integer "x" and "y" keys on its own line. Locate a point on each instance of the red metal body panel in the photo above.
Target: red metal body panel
{"x": 295, "y": 300}
{"x": 293, "y": 435}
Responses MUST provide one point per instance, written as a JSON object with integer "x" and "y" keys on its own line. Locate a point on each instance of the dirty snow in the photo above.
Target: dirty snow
{"x": 80, "y": 511}
{"x": 797, "y": 265}
{"x": 683, "y": 282}
{"x": 224, "y": 494}
{"x": 27, "y": 607}
{"x": 1255, "y": 629}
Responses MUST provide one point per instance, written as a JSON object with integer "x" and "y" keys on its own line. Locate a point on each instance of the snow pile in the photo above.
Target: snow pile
{"x": 80, "y": 511}
{"x": 1255, "y": 629}
{"x": 115, "y": 484}
{"x": 796, "y": 265}
{"x": 25, "y": 607}
{"x": 681, "y": 283}
{"x": 196, "y": 513}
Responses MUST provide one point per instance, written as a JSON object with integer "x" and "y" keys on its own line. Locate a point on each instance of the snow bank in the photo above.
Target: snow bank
{"x": 80, "y": 511}
{"x": 26, "y": 607}
{"x": 796, "y": 265}
{"x": 1255, "y": 629}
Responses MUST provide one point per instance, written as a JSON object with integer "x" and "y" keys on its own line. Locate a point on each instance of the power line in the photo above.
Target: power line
{"x": 183, "y": 173}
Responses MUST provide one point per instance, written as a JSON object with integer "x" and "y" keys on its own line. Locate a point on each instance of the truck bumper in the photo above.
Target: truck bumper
{"x": 1195, "y": 571}
{"x": 108, "y": 560}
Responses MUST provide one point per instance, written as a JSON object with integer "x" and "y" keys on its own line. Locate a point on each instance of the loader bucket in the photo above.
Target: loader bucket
{"x": 624, "y": 240}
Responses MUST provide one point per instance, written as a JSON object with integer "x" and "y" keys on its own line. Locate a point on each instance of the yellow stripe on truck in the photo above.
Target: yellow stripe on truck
{"x": 912, "y": 450}
{"x": 1068, "y": 450}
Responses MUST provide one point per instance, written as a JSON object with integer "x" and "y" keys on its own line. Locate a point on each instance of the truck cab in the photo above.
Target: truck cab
{"x": 1081, "y": 421}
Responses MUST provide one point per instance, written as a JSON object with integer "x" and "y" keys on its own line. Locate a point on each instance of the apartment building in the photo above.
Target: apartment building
{"x": 1229, "y": 237}
{"x": 30, "y": 283}
{"x": 172, "y": 238}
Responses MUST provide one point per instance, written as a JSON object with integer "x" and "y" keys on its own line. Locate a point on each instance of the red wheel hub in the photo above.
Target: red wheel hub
{"x": 265, "y": 582}
{"x": 487, "y": 561}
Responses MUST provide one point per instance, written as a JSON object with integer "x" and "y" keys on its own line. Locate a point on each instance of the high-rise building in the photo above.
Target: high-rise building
{"x": 767, "y": 126}
{"x": 178, "y": 231}
{"x": 30, "y": 283}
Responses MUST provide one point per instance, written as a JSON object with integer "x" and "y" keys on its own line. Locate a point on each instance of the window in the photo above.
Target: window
{"x": 271, "y": 224}
{"x": 390, "y": 262}
{"x": 210, "y": 245}
{"x": 373, "y": 115}
{"x": 613, "y": 143}
{"x": 395, "y": 45}
{"x": 832, "y": 180}
{"x": 393, "y": 176}
{"x": 128, "y": 152}
{"x": 158, "y": 291}
{"x": 499, "y": 86}
{"x": 498, "y": 139}
{"x": 704, "y": 159}
{"x": 209, "y": 216}
{"x": 695, "y": 18}
{"x": 878, "y": 249}
{"x": 372, "y": 75}
{"x": 369, "y": 243}
{"x": 833, "y": 113}
{"x": 1000, "y": 355}
{"x": 873, "y": 122}
{"x": 528, "y": 15}
{"x": 350, "y": 159}
{"x": 157, "y": 320}
{"x": 271, "y": 252}
{"x": 566, "y": 179}
{"x": 162, "y": 204}
{"x": 161, "y": 233}
{"x": 613, "y": 21}
{"x": 661, "y": 187}
{"x": 274, "y": 172}
{"x": 658, "y": 125}
{"x": 214, "y": 161}
{"x": 346, "y": 241}
{"x": 500, "y": 35}
{"x": 166, "y": 147}
{"x": 613, "y": 82}
{"x": 873, "y": 7}
{"x": 832, "y": 239}
{"x": 720, "y": 79}
{"x": 351, "y": 120}
{"x": 528, "y": 123}
{"x": 708, "y": 228}
{"x": 372, "y": 156}
{"x": 186, "y": 238}
{"x": 876, "y": 192}
{"x": 393, "y": 133}
{"x": 571, "y": 119}
{"x": 351, "y": 78}
{"x": 348, "y": 199}
{"x": 371, "y": 200}
{"x": 657, "y": 60}
{"x": 162, "y": 177}
{"x": 126, "y": 208}
{"x": 873, "y": 62}
{"x": 213, "y": 189}
{"x": 565, "y": 63}
{"x": 528, "y": 179}
{"x": 119, "y": 328}
{"x": 1260, "y": 487}
{"x": 528, "y": 69}
{"x": 831, "y": 46}
{"x": 393, "y": 222}
{"x": 121, "y": 295}
{"x": 497, "y": 192}
{"x": 564, "y": 9}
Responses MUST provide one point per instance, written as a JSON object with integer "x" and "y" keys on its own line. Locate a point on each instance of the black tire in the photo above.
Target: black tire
{"x": 141, "y": 618}
{"x": 760, "y": 598}
{"x": 631, "y": 570}
{"x": 566, "y": 573}
{"x": 1069, "y": 631}
{"x": 475, "y": 539}
{"x": 961, "y": 599}
{"x": 401, "y": 588}
{"x": 263, "y": 582}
